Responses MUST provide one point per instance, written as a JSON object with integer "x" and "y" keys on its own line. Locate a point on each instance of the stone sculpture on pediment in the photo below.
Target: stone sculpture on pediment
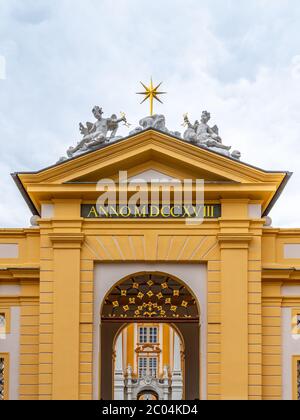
{"x": 103, "y": 130}
{"x": 200, "y": 133}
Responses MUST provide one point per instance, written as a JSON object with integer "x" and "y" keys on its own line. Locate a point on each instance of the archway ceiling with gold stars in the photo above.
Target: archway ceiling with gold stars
{"x": 150, "y": 296}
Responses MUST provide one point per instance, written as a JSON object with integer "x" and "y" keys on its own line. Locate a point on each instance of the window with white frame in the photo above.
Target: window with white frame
{"x": 147, "y": 367}
{"x": 153, "y": 335}
{"x": 153, "y": 366}
{"x": 148, "y": 335}
{"x": 142, "y": 367}
{"x": 143, "y": 335}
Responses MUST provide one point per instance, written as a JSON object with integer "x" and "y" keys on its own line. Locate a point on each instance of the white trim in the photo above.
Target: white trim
{"x": 292, "y": 251}
{"x": 290, "y": 348}
{"x": 47, "y": 211}
{"x": 254, "y": 211}
{"x": 151, "y": 176}
{"x": 135, "y": 340}
{"x": 11, "y": 345}
{"x": 8, "y": 251}
{"x": 161, "y": 343}
{"x": 124, "y": 337}
{"x": 10, "y": 290}
{"x": 172, "y": 349}
{"x": 290, "y": 291}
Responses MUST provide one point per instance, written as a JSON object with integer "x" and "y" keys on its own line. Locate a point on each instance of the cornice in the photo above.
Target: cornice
{"x": 19, "y": 233}
{"x": 20, "y": 273}
{"x": 291, "y": 301}
{"x": 234, "y": 241}
{"x": 145, "y": 146}
{"x": 280, "y": 273}
{"x": 159, "y": 139}
{"x": 67, "y": 240}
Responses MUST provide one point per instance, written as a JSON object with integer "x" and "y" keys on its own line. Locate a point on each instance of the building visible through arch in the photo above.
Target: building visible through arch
{"x": 149, "y": 363}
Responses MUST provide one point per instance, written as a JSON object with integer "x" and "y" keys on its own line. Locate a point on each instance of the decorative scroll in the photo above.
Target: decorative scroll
{"x": 151, "y": 296}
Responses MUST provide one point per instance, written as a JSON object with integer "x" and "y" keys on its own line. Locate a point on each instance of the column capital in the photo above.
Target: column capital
{"x": 66, "y": 240}
{"x": 234, "y": 240}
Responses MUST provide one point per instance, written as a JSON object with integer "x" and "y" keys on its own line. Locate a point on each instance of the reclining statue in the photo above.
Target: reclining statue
{"x": 95, "y": 134}
{"x": 202, "y": 134}
{"x": 157, "y": 122}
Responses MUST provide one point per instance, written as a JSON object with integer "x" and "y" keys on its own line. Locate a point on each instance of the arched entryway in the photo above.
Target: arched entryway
{"x": 151, "y": 297}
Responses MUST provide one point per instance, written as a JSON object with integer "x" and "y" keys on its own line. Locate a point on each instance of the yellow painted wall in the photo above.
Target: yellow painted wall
{"x": 24, "y": 272}
{"x": 256, "y": 354}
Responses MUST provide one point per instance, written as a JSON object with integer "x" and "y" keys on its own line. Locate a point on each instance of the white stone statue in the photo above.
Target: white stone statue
{"x": 95, "y": 134}
{"x": 104, "y": 130}
{"x": 129, "y": 371}
{"x": 166, "y": 372}
{"x": 202, "y": 134}
{"x": 158, "y": 122}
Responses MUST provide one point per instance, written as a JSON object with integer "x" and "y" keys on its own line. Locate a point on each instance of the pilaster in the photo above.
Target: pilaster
{"x": 234, "y": 247}
{"x": 66, "y": 314}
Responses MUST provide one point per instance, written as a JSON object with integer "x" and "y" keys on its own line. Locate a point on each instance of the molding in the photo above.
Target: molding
{"x": 67, "y": 240}
{"x": 234, "y": 241}
{"x": 291, "y": 302}
{"x": 19, "y": 233}
{"x": 273, "y": 274}
{"x": 20, "y": 273}
{"x": 9, "y": 301}
{"x": 287, "y": 233}
{"x": 109, "y": 159}
{"x": 274, "y": 300}
{"x": 159, "y": 139}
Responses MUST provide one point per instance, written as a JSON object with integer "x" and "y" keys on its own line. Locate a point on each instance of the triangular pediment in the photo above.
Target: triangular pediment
{"x": 151, "y": 153}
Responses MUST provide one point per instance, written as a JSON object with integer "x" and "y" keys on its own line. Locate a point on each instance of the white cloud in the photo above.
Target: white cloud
{"x": 239, "y": 61}
{"x": 2, "y": 68}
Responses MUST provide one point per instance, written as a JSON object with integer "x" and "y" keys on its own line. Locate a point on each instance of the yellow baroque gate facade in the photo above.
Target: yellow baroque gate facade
{"x": 245, "y": 275}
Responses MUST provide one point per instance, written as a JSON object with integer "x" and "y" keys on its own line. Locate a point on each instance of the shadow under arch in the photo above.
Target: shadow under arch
{"x": 170, "y": 301}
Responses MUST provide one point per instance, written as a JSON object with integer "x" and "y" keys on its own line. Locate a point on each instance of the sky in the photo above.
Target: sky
{"x": 240, "y": 60}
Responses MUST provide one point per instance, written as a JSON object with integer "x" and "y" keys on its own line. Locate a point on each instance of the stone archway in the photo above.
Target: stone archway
{"x": 149, "y": 297}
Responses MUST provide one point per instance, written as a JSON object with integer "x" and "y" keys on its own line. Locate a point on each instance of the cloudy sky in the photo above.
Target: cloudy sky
{"x": 238, "y": 59}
